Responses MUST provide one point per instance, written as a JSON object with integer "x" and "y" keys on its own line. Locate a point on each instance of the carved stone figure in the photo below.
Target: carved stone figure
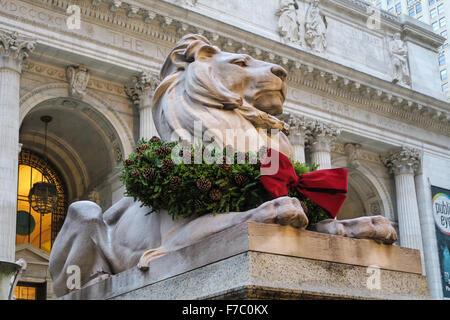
{"x": 225, "y": 91}
{"x": 288, "y": 26}
{"x": 315, "y": 28}
{"x": 78, "y": 77}
{"x": 399, "y": 58}
{"x": 291, "y": 21}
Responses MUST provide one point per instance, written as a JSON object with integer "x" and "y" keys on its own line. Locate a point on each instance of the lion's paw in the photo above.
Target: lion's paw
{"x": 377, "y": 228}
{"x": 148, "y": 256}
{"x": 284, "y": 211}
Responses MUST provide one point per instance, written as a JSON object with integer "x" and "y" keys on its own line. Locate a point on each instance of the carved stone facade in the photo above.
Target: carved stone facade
{"x": 302, "y": 23}
{"x": 353, "y": 94}
{"x": 399, "y": 58}
{"x": 78, "y": 78}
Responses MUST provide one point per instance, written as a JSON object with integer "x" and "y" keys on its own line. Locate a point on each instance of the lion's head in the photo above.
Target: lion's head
{"x": 223, "y": 90}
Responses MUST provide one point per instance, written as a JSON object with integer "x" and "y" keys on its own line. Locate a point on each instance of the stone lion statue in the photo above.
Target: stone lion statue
{"x": 224, "y": 91}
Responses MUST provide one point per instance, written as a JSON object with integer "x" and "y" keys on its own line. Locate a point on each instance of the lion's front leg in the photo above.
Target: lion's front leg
{"x": 284, "y": 211}
{"x": 377, "y": 228}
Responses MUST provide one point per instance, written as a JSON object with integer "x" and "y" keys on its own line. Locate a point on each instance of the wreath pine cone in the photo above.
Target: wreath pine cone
{"x": 215, "y": 194}
{"x": 149, "y": 174}
{"x": 175, "y": 183}
{"x": 155, "y": 139}
{"x": 167, "y": 166}
{"x": 240, "y": 180}
{"x": 204, "y": 184}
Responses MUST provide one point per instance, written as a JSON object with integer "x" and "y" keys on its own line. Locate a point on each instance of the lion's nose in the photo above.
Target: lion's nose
{"x": 279, "y": 72}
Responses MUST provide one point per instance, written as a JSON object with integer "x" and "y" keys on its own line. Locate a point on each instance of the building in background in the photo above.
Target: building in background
{"x": 362, "y": 98}
{"x": 433, "y": 12}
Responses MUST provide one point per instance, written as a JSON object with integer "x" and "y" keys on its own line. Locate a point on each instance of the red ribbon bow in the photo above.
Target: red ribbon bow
{"x": 327, "y": 188}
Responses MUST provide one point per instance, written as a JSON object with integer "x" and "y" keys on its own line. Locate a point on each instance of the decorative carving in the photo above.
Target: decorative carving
{"x": 190, "y": 3}
{"x": 315, "y": 28}
{"x": 78, "y": 77}
{"x": 288, "y": 22}
{"x": 94, "y": 196}
{"x": 296, "y": 26}
{"x": 142, "y": 85}
{"x": 353, "y": 151}
{"x": 15, "y": 46}
{"x": 403, "y": 161}
{"x": 321, "y": 136}
{"x": 297, "y": 127}
{"x": 399, "y": 57}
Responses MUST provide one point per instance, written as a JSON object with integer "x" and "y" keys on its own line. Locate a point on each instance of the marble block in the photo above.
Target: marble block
{"x": 267, "y": 261}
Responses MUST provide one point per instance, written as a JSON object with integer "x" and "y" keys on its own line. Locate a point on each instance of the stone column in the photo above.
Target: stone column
{"x": 427, "y": 226}
{"x": 321, "y": 138}
{"x": 297, "y": 135}
{"x": 14, "y": 49}
{"x": 403, "y": 164}
{"x": 141, "y": 94}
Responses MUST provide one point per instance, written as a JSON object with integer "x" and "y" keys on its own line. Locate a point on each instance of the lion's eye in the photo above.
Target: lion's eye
{"x": 239, "y": 62}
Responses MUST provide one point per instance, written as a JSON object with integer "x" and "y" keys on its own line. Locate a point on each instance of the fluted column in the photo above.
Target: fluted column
{"x": 321, "y": 138}
{"x": 14, "y": 49}
{"x": 141, "y": 93}
{"x": 297, "y": 135}
{"x": 403, "y": 163}
{"x": 427, "y": 227}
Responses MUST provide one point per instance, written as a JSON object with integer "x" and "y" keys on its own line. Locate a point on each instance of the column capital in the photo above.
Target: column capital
{"x": 140, "y": 90}
{"x": 297, "y": 127}
{"x": 403, "y": 161}
{"x": 14, "y": 49}
{"x": 321, "y": 136}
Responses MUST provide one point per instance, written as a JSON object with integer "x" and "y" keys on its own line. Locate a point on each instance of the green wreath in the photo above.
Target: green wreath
{"x": 225, "y": 181}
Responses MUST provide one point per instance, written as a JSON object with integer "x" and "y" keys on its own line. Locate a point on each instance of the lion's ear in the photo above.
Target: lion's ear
{"x": 199, "y": 50}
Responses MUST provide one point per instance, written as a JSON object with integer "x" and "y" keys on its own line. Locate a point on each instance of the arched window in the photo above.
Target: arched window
{"x": 32, "y": 227}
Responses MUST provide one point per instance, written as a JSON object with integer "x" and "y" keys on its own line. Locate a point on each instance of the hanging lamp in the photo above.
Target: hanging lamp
{"x": 43, "y": 196}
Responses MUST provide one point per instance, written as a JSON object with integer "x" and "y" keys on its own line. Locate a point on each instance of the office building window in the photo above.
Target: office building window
{"x": 441, "y": 60}
{"x": 431, "y": 2}
{"x": 419, "y": 8}
{"x": 435, "y": 26}
{"x": 445, "y": 87}
{"x": 411, "y": 12}
{"x": 440, "y": 8}
{"x": 444, "y": 74}
{"x": 444, "y": 34}
{"x": 442, "y": 22}
{"x": 433, "y": 13}
{"x": 398, "y": 7}
{"x": 389, "y": 2}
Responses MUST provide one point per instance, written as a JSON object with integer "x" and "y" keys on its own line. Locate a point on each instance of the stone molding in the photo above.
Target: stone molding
{"x": 59, "y": 74}
{"x": 15, "y": 46}
{"x": 403, "y": 161}
{"x": 361, "y": 155}
{"x": 428, "y": 113}
{"x": 142, "y": 85}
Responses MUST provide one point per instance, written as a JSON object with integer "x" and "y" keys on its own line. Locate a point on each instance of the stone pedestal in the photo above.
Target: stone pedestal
{"x": 266, "y": 261}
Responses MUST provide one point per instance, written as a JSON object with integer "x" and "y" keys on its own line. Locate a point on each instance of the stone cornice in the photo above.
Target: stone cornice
{"x": 165, "y": 23}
